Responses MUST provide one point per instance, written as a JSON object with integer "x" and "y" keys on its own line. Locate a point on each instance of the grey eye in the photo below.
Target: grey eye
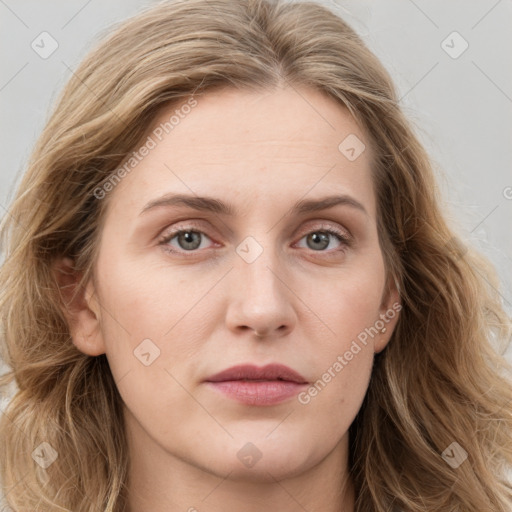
{"x": 188, "y": 240}
{"x": 318, "y": 240}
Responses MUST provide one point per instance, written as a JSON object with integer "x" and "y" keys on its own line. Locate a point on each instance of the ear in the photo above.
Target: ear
{"x": 80, "y": 307}
{"x": 389, "y": 312}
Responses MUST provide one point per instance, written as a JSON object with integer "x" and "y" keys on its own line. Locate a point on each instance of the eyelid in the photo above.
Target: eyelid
{"x": 177, "y": 226}
{"x": 327, "y": 226}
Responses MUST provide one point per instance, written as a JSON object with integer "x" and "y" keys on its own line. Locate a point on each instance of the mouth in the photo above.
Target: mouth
{"x": 251, "y": 385}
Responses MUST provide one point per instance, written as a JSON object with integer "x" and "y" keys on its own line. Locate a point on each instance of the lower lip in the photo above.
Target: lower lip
{"x": 258, "y": 392}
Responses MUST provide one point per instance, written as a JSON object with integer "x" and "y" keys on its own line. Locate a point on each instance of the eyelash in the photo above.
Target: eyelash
{"x": 344, "y": 239}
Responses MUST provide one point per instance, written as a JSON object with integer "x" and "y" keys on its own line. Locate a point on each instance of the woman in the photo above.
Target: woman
{"x": 228, "y": 284}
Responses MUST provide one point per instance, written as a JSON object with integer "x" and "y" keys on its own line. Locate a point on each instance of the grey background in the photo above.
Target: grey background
{"x": 461, "y": 107}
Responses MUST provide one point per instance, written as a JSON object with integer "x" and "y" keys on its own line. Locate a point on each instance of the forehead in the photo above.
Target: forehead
{"x": 279, "y": 116}
{"x": 289, "y": 141}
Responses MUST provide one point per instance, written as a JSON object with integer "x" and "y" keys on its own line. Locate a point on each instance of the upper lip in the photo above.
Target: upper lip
{"x": 252, "y": 372}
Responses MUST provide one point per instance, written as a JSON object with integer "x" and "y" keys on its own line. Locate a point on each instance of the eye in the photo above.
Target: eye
{"x": 188, "y": 240}
{"x": 321, "y": 239}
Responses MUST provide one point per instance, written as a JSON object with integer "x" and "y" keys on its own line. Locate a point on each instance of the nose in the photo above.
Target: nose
{"x": 260, "y": 298}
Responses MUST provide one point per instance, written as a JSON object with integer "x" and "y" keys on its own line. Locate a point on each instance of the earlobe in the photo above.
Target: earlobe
{"x": 80, "y": 307}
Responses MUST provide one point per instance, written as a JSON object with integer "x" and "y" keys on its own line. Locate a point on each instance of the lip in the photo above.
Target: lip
{"x": 252, "y": 372}
{"x": 253, "y": 385}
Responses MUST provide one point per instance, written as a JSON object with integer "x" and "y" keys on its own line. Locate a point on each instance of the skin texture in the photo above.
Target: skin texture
{"x": 261, "y": 152}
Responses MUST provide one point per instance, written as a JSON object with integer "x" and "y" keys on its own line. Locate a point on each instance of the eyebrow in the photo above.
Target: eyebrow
{"x": 213, "y": 205}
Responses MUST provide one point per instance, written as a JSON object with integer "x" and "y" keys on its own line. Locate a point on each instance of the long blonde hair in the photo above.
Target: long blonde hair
{"x": 439, "y": 388}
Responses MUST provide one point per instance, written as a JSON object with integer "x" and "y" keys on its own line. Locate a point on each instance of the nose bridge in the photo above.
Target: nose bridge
{"x": 259, "y": 296}
{"x": 259, "y": 271}
{"x": 258, "y": 265}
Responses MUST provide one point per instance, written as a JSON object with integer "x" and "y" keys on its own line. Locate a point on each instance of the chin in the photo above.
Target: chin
{"x": 261, "y": 460}
{"x": 273, "y": 468}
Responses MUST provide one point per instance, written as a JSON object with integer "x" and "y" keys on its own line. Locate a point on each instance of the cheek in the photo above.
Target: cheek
{"x": 152, "y": 320}
{"x": 330, "y": 404}
{"x": 147, "y": 301}
{"x": 343, "y": 360}
{"x": 344, "y": 354}
{"x": 141, "y": 312}
{"x": 349, "y": 303}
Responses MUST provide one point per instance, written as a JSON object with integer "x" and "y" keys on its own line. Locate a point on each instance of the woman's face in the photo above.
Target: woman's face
{"x": 245, "y": 174}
